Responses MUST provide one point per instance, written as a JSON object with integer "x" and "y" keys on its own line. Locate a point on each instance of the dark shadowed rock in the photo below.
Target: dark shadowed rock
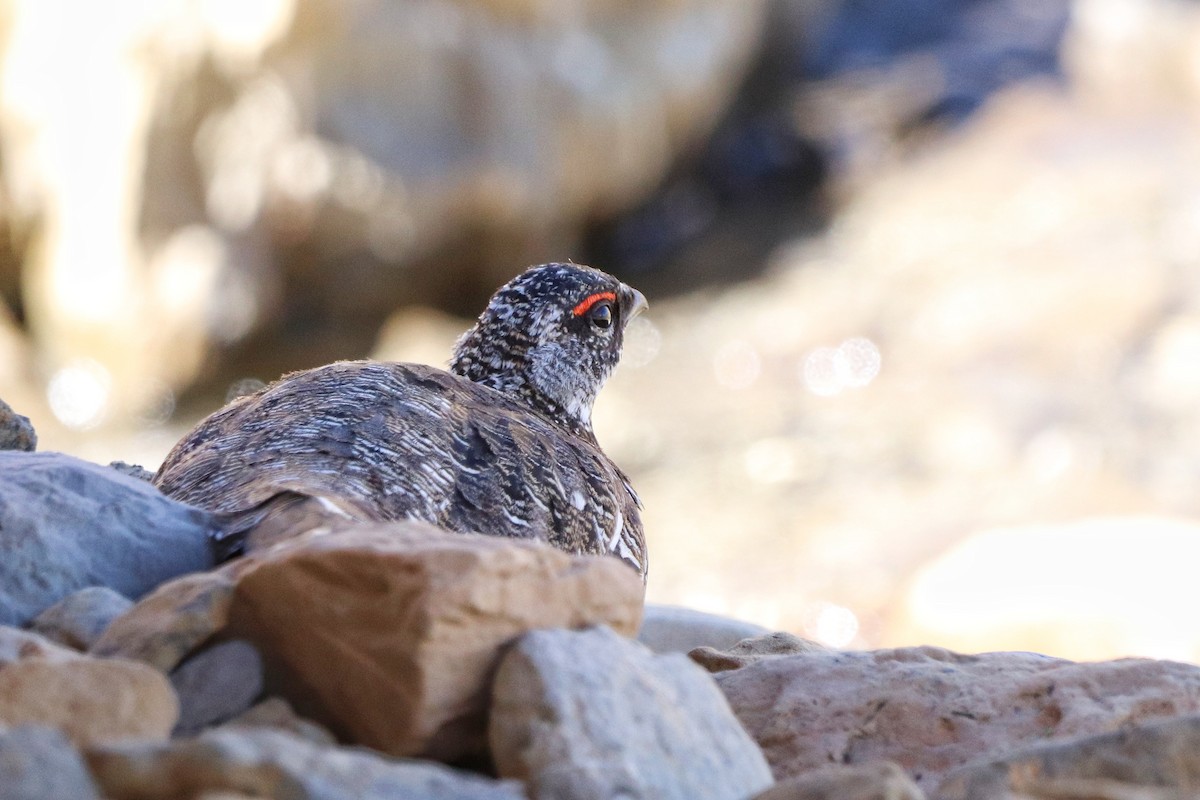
{"x": 16, "y": 431}
{"x": 66, "y": 524}
{"x": 275, "y": 765}
{"x": 39, "y": 764}
{"x": 79, "y": 618}
{"x": 217, "y": 684}
{"x": 592, "y": 715}
{"x": 674, "y": 629}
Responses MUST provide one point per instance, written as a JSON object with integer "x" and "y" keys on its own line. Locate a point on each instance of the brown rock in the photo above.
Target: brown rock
{"x": 171, "y": 621}
{"x": 16, "y": 431}
{"x": 881, "y": 780}
{"x": 90, "y": 700}
{"x": 1155, "y": 761}
{"x": 389, "y": 633}
{"x": 753, "y": 650}
{"x": 931, "y": 710}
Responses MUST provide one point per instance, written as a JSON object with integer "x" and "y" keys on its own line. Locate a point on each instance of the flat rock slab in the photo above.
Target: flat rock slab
{"x": 39, "y": 763}
{"x": 931, "y": 710}
{"x": 591, "y": 715}
{"x": 66, "y": 524}
{"x": 270, "y": 764}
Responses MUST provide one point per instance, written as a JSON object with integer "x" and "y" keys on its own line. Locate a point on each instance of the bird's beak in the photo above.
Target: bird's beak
{"x": 635, "y": 302}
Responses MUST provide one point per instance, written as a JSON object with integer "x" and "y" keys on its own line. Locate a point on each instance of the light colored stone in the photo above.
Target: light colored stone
{"x": 930, "y": 710}
{"x": 749, "y": 651}
{"x": 17, "y": 645}
{"x": 276, "y": 713}
{"x": 90, "y": 700}
{"x": 1154, "y": 761}
{"x": 389, "y": 633}
{"x": 216, "y": 684}
{"x": 67, "y": 524}
{"x": 170, "y": 622}
{"x": 881, "y": 780}
{"x": 590, "y": 715}
{"x": 39, "y": 763}
{"x": 16, "y": 432}
{"x": 674, "y": 629}
{"x": 275, "y": 765}
{"x": 79, "y": 618}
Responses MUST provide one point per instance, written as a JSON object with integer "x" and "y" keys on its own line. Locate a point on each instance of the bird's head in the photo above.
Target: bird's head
{"x": 551, "y": 336}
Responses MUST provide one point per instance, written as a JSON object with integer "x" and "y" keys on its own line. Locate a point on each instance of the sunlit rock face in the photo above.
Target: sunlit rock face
{"x": 193, "y": 174}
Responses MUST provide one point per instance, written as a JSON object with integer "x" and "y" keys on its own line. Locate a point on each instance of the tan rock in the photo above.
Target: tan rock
{"x": 389, "y": 633}
{"x": 754, "y": 649}
{"x": 171, "y": 621}
{"x": 18, "y": 645}
{"x": 91, "y": 700}
{"x": 1155, "y": 761}
{"x": 881, "y": 780}
{"x": 277, "y": 714}
{"x": 931, "y": 710}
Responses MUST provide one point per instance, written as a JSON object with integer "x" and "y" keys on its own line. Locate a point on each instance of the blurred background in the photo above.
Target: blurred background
{"x": 923, "y": 359}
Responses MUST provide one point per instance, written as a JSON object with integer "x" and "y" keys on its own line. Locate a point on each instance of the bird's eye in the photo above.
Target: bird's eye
{"x": 601, "y": 315}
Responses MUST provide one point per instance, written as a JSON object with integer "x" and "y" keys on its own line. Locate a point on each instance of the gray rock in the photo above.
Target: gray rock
{"x": 132, "y": 470}
{"x": 66, "y": 524}
{"x": 79, "y": 618}
{"x": 271, "y": 764}
{"x": 39, "y": 763}
{"x": 674, "y": 629}
{"x": 217, "y": 684}
{"x": 16, "y": 431}
{"x": 593, "y": 715}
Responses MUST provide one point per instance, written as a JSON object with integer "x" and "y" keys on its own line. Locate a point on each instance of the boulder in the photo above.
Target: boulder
{"x": 16, "y": 431}
{"x": 880, "y": 780}
{"x": 389, "y": 633}
{"x": 590, "y": 715}
{"x": 91, "y": 700}
{"x": 217, "y": 684}
{"x": 170, "y": 622}
{"x": 79, "y": 618}
{"x": 931, "y": 710}
{"x": 275, "y": 765}
{"x": 39, "y": 763}
{"x": 674, "y": 629}
{"x": 66, "y": 524}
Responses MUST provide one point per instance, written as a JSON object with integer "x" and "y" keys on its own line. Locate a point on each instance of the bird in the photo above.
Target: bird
{"x": 501, "y": 443}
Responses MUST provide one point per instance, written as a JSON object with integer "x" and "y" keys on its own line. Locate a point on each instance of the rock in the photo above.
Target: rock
{"x": 277, "y": 713}
{"x": 750, "y": 651}
{"x": 591, "y": 715}
{"x": 880, "y": 780}
{"x": 217, "y": 684}
{"x": 132, "y": 470}
{"x": 90, "y": 700}
{"x": 40, "y": 764}
{"x": 430, "y": 610}
{"x": 274, "y": 765}
{"x": 79, "y": 618}
{"x": 17, "y": 645}
{"x": 16, "y": 431}
{"x": 930, "y": 710}
{"x": 66, "y": 525}
{"x": 171, "y": 622}
{"x": 1132, "y": 762}
{"x": 673, "y": 629}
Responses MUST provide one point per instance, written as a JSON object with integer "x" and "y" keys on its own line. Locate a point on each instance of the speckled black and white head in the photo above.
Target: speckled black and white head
{"x": 551, "y": 336}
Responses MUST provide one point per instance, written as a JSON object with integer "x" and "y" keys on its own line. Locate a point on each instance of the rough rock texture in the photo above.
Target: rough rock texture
{"x": 217, "y": 684}
{"x": 170, "y": 622}
{"x": 276, "y": 713}
{"x": 430, "y": 610}
{"x": 749, "y": 651}
{"x": 592, "y": 716}
{"x": 90, "y": 700}
{"x": 40, "y": 764}
{"x": 880, "y": 780}
{"x": 275, "y": 765}
{"x": 1123, "y": 764}
{"x": 66, "y": 524}
{"x": 931, "y": 710}
{"x": 16, "y": 431}
{"x": 79, "y": 618}
{"x": 674, "y": 629}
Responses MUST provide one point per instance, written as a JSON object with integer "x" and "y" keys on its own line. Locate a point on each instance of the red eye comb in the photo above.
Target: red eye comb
{"x": 591, "y": 300}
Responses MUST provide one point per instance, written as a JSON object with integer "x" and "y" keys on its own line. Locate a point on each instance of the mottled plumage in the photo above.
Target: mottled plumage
{"x": 501, "y": 444}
